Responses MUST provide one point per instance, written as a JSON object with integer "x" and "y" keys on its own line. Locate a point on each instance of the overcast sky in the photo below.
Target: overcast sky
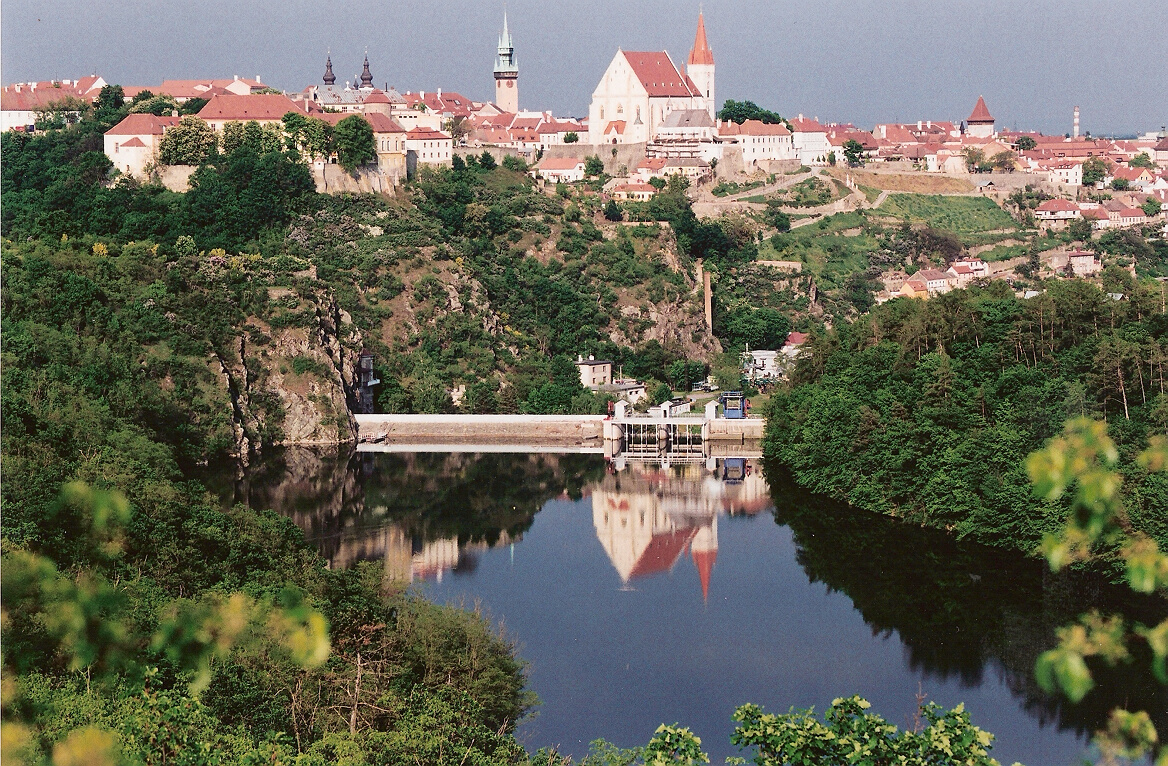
{"x": 861, "y": 61}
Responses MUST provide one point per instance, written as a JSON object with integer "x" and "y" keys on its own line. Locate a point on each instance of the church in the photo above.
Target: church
{"x": 639, "y": 91}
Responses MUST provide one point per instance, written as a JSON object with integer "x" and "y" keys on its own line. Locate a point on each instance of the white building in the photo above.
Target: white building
{"x": 639, "y": 90}
{"x": 809, "y": 140}
{"x": 132, "y": 144}
{"x": 759, "y": 141}
{"x": 594, "y": 372}
{"x": 561, "y": 169}
{"x": 427, "y": 147}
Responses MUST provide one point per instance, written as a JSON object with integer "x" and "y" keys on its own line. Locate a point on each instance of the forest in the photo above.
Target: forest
{"x": 926, "y": 410}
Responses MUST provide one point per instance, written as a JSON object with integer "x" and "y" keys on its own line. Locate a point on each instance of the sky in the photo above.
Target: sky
{"x": 859, "y": 61}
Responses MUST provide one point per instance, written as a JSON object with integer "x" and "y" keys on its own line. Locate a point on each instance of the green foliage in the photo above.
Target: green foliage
{"x": 1025, "y": 144}
{"x": 613, "y": 212}
{"x": 1094, "y": 171}
{"x": 849, "y": 734}
{"x": 1083, "y": 461}
{"x": 191, "y": 142}
{"x": 487, "y": 161}
{"x": 927, "y": 409}
{"x": 1141, "y": 160}
{"x": 354, "y": 143}
{"x": 741, "y": 111}
{"x": 571, "y": 137}
{"x": 961, "y": 215}
{"x": 1152, "y": 207}
{"x": 593, "y": 166}
{"x": 854, "y": 153}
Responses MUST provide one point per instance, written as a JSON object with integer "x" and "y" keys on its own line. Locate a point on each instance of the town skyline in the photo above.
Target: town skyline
{"x": 819, "y": 59}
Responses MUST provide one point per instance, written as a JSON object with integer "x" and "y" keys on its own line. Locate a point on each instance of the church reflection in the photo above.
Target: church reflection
{"x": 648, "y": 518}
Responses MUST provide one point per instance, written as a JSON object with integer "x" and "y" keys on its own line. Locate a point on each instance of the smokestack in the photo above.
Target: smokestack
{"x": 709, "y": 301}
{"x": 1076, "y": 132}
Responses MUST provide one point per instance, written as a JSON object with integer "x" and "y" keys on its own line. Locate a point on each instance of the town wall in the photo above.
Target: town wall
{"x": 332, "y": 179}
{"x": 627, "y": 155}
{"x": 176, "y": 178}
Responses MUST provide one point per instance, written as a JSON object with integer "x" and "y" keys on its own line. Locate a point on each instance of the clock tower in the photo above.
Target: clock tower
{"x": 506, "y": 73}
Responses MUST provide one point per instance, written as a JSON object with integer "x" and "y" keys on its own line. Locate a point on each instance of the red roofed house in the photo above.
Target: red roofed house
{"x": 1098, "y": 217}
{"x": 1138, "y": 178}
{"x": 1160, "y": 150}
{"x": 809, "y": 140}
{"x": 132, "y": 144}
{"x": 759, "y": 141}
{"x": 264, "y": 108}
{"x": 634, "y": 192}
{"x": 641, "y": 89}
{"x": 561, "y": 169}
{"x": 794, "y": 343}
{"x": 1055, "y": 213}
{"x": 980, "y": 124}
{"x": 427, "y": 147}
{"x": 20, "y": 101}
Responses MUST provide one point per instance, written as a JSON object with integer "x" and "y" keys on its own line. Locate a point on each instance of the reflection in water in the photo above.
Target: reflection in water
{"x": 964, "y": 613}
{"x": 648, "y": 517}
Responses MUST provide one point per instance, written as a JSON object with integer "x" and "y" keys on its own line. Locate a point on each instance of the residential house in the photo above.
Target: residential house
{"x": 794, "y": 344}
{"x": 1056, "y": 213}
{"x": 20, "y": 102}
{"x": 633, "y": 192}
{"x": 759, "y": 141}
{"x": 936, "y": 281}
{"x": 561, "y": 169}
{"x": 594, "y": 372}
{"x": 427, "y": 147}
{"x": 1135, "y": 178}
{"x": 1084, "y": 264}
{"x": 132, "y": 144}
{"x": 809, "y": 140}
{"x": 264, "y": 108}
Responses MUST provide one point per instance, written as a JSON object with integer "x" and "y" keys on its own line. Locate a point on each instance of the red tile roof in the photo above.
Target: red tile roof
{"x": 23, "y": 97}
{"x": 802, "y": 125}
{"x": 426, "y": 134}
{"x": 701, "y": 54}
{"x": 980, "y": 113}
{"x": 662, "y": 552}
{"x": 142, "y": 125}
{"x": 1057, "y": 205}
{"x": 1096, "y": 213}
{"x": 753, "y": 128}
{"x": 658, "y": 74}
{"x": 134, "y": 143}
{"x": 796, "y": 338}
{"x": 560, "y": 163}
{"x": 615, "y": 125}
{"x": 266, "y": 106}
{"x": 379, "y": 122}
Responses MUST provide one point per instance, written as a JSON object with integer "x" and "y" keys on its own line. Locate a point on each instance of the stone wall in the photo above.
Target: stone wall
{"x": 627, "y": 155}
{"x": 177, "y": 178}
{"x": 332, "y": 179}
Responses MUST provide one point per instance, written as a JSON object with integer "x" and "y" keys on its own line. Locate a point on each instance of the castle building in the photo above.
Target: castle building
{"x": 506, "y": 73}
{"x": 639, "y": 91}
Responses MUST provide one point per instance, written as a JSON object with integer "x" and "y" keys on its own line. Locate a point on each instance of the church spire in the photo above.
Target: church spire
{"x": 329, "y": 77}
{"x": 701, "y": 55}
{"x": 366, "y": 75}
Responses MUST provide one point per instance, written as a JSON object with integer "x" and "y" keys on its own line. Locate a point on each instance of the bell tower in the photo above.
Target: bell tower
{"x": 700, "y": 67}
{"x": 506, "y": 72}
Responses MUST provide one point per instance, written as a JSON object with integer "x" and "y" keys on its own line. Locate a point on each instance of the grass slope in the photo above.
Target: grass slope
{"x": 960, "y": 215}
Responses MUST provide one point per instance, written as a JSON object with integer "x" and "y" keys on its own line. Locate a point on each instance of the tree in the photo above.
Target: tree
{"x": 1082, "y": 463}
{"x": 110, "y": 103}
{"x": 353, "y": 139}
{"x": 190, "y": 142}
{"x": 779, "y": 219}
{"x": 1141, "y": 160}
{"x": 1119, "y": 184}
{"x": 657, "y": 182}
{"x": 1094, "y": 171}
{"x": 741, "y": 111}
{"x": 854, "y": 153}
{"x": 1025, "y": 143}
{"x": 594, "y": 166}
{"x": 662, "y": 392}
{"x": 831, "y": 158}
{"x": 514, "y": 164}
{"x": 571, "y": 137}
{"x": 1080, "y": 229}
{"x": 487, "y": 161}
{"x": 159, "y": 106}
{"x": 612, "y": 211}
{"x": 1151, "y": 207}
{"x": 1004, "y": 161}
{"x": 849, "y": 734}
{"x": 458, "y": 128}
{"x": 192, "y": 106}
{"x": 974, "y": 159}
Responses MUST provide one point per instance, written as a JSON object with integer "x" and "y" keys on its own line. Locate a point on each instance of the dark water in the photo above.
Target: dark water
{"x": 647, "y": 595}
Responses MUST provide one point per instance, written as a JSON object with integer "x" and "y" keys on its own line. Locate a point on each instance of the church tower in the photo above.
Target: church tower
{"x": 506, "y": 73}
{"x": 700, "y": 67}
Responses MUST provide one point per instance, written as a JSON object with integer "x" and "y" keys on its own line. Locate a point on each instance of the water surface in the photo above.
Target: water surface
{"x": 653, "y": 595}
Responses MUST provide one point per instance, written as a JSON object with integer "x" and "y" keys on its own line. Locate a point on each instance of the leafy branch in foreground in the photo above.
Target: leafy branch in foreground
{"x": 1083, "y": 462}
{"x": 89, "y": 622}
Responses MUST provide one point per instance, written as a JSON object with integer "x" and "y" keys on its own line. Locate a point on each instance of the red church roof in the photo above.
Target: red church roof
{"x": 701, "y": 54}
{"x": 658, "y": 74}
{"x": 704, "y": 560}
{"x": 980, "y": 113}
{"x": 662, "y": 552}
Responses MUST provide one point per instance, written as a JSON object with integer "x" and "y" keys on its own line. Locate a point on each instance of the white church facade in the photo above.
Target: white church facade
{"x": 639, "y": 91}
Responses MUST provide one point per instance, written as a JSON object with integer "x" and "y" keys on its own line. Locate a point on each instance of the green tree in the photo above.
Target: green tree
{"x": 593, "y": 166}
{"x": 831, "y": 158}
{"x": 355, "y": 146}
{"x": 1120, "y": 184}
{"x": 1141, "y": 160}
{"x": 459, "y": 128}
{"x": 110, "y": 104}
{"x": 854, "y": 153}
{"x": 192, "y": 106}
{"x": 160, "y": 105}
{"x": 191, "y": 142}
{"x": 849, "y": 734}
{"x": 1082, "y": 464}
{"x": 1094, "y": 171}
{"x": 514, "y": 164}
{"x": 1152, "y": 207}
{"x": 1080, "y": 229}
{"x": 613, "y": 212}
{"x": 662, "y": 392}
{"x": 1025, "y": 143}
{"x": 741, "y": 111}
{"x": 487, "y": 161}
{"x": 571, "y": 137}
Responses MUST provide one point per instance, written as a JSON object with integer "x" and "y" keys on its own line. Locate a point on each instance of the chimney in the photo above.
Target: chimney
{"x": 261, "y": 82}
{"x": 800, "y": 115}
{"x": 236, "y": 76}
{"x": 929, "y": 124}
{"x": 920, "y": 125}
{"x": 1076, "y": 133}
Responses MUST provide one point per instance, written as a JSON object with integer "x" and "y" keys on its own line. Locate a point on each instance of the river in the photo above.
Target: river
{"x": 656, "y": 595}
